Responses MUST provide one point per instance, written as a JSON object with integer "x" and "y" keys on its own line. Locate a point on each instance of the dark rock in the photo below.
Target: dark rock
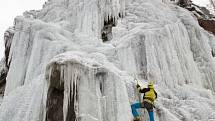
{"x": 184, "y": 3}
{"x": 202, "y": 14}
{"x": 3, "y": 75}
{"x": 5, "y": 64}
{"x": 8, "y": 37}
{"x": 55, "y": 105}
{"x": 208, "y": 25}
{"x": 213, "y": 53}
{"x": 55, "y": 99}
{"x": 107, "y": 29}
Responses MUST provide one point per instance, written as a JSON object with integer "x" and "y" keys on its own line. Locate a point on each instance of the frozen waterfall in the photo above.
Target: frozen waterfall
{"x": 61, "y": 69}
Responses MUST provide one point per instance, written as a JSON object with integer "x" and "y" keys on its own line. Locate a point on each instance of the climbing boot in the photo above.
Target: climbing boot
{"x": 137, "y": 118}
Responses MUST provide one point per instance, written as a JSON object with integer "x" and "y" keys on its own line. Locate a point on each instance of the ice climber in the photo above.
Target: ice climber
{"x": 148, "y": 101}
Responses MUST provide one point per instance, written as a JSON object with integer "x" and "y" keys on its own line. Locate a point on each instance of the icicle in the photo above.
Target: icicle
{"x": 71, "y": 77}
{"x": 66, "y": 93}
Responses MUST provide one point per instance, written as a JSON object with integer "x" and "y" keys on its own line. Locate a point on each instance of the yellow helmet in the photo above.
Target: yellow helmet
{"x": 150, "y": 85}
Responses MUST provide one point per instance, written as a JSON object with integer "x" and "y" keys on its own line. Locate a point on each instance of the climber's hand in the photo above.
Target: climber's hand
{"x": 138, "y": 86}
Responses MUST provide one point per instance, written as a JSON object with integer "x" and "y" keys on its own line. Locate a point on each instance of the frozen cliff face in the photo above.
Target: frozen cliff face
{"x": 61, "y": 69}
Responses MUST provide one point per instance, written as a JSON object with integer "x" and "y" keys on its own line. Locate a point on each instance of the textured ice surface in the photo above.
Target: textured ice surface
{"x": 96, "y": 85}
{"x": 153, "y": 40}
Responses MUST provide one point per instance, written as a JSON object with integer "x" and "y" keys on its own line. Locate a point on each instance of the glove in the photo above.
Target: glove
{"x": 138, "y": 86}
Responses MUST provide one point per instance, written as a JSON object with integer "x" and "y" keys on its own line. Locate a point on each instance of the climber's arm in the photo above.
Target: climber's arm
{"x": 144, "y": 90}
{"x": 156, "y": 94}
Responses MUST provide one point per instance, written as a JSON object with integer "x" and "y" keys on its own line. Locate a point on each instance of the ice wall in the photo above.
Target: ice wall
{"x": 58, "y": 54}
{"x": 91, "y": 84}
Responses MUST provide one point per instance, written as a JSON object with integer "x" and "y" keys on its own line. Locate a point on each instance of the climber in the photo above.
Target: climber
{"x": 148, "y": 101}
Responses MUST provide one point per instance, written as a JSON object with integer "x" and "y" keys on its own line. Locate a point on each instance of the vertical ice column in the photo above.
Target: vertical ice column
{"x": 134, "y": 55}
{"x": 88, "y": 17}
{"x": 91, "y": 14}
{"x": 20, "y": 52}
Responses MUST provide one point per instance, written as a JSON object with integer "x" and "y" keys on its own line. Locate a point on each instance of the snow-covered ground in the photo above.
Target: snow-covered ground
{"x": 201, "y": 2}
{"x": 205, "y": 3}
{"x": 151, "y": 40}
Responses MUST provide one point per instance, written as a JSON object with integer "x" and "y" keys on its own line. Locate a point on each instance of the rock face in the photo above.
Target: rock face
{"x": 184, "y": 3}
{"x": 208, "y": 25}
{"x": 5, "y": 62}
{"x": 60, "y": 68}
{"x": 205, "y": 18}
{"x": 8, "y": 37}
{"x": 3, "y": 75}
{"x": 107, "y": 30}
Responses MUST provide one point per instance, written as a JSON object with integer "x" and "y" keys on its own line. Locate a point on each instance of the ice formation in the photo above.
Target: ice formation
{"x": 60, "y": 68}
{"x": 96, "y": 90}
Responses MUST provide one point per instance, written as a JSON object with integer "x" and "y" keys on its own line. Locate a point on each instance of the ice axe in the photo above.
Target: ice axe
{"x": 137, "y": 82}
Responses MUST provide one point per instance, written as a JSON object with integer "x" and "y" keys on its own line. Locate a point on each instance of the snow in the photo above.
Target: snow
{"x": 201, "y": 2}
{"x": 205, "y": 3}
{"x": 152, "y": 41}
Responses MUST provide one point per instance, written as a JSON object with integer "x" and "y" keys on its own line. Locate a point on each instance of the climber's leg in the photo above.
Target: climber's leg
{"x": 151, "y": 116}
{"x": 149, "y": 108}
{"x": 134, "y": 108}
